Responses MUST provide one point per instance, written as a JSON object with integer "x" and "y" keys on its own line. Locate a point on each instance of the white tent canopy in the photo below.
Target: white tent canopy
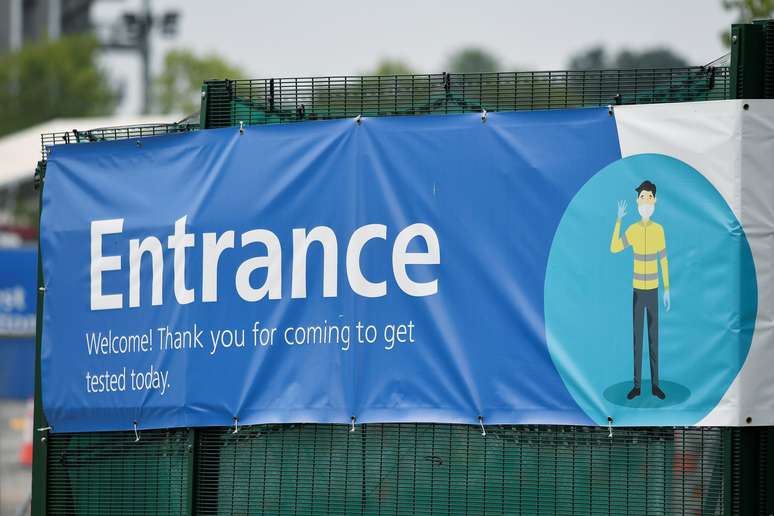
{"x": 20, "y": 151}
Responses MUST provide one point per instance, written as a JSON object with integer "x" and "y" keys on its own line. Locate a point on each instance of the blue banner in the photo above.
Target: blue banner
{"x": 17, "y": 292}
{"x": 391, "y": 270}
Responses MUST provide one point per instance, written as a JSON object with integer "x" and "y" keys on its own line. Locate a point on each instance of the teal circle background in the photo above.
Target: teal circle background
{"x": 703, "y": 339}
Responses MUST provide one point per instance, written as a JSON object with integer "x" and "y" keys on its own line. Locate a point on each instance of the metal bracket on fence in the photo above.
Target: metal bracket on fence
{"x": 352, "y": 428}
{"x": 236, "y": 426}
{"x": 483, "y": 115}
{"x": 610, "y": 427}
{"x": 136, "y": 433}
{"x": 481, "y": 423}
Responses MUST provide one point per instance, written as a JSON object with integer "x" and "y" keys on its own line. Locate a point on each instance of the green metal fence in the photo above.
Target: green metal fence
{"x": 267, "y": 101}
{"x": 406, "y": 469}
{"x": 419, "y": 468}
{"x": 391, "y": 469}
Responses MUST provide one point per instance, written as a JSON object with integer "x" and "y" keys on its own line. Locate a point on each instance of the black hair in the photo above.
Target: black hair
{"x": 647, "y": 186}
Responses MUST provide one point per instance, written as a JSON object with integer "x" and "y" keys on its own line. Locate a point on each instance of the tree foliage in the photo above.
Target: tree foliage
{"x": 52, "y": 80}
{"x": 746, "y": 11}
{"x": 473, "y": 60}
{"x": 597, "y": 58}
{"x": 178, "y": 87}
{"x": 390, "y": 66}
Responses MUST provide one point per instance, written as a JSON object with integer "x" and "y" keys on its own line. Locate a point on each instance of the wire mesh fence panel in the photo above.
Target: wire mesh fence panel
{"x": 265, "y": 101}
{"x": 397, "y": 469}
{"x": 111, "y": 134}
{"x": 111, "y": 473}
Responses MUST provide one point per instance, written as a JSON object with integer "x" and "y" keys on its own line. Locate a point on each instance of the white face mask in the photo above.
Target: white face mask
{"x": 646, "y": 210}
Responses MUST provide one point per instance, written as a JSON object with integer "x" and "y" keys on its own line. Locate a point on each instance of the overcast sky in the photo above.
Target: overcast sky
{"x": 324, "y": 37}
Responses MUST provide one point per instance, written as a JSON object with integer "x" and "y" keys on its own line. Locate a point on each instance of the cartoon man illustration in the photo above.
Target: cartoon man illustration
{"x": 649, "y": 245}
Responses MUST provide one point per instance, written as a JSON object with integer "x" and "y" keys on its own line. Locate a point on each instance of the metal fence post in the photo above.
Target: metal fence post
{"x": 768, "y": 482}
{"x": 39, "y": 437}
{"x": 747, "y": 61}
{"x": 191, "y": 475}
{"x": 728, "y": 470}
{"x": 752, "y": 77}
{"x": 203, "y": 106}
{"x": 749, "y": 471}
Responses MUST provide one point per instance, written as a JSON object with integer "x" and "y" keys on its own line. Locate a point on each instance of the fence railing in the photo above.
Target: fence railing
{"x": 265, "y": 101}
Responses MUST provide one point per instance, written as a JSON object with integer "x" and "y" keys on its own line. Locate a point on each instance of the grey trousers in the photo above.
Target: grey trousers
{"x": 645, "y": 301}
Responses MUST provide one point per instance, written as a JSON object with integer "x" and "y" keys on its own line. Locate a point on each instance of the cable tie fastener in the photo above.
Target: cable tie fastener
{"x": 481, "y": 423}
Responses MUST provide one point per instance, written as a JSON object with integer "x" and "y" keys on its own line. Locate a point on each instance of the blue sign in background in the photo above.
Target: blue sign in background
{"x": 494, "y": 193}
{"x": 17, "y": 321}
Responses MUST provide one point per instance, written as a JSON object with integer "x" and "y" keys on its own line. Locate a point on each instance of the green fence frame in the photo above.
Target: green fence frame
{"x": 417, "y": 468}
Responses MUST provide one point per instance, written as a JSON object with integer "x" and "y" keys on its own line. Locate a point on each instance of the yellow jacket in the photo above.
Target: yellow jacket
{"x": 649, "y": 246}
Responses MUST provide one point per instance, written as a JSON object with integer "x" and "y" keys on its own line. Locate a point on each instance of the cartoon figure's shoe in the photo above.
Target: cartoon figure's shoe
{"x": 633, "y": 393}
{"x": 657, "y": 392}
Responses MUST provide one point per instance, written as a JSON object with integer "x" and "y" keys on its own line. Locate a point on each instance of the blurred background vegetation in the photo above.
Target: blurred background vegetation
{"x": 53, "y": 79}
{"x": 177, "y": 88}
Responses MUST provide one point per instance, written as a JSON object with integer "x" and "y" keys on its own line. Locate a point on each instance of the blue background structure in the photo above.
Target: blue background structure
{"x": 18, "y": 269}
